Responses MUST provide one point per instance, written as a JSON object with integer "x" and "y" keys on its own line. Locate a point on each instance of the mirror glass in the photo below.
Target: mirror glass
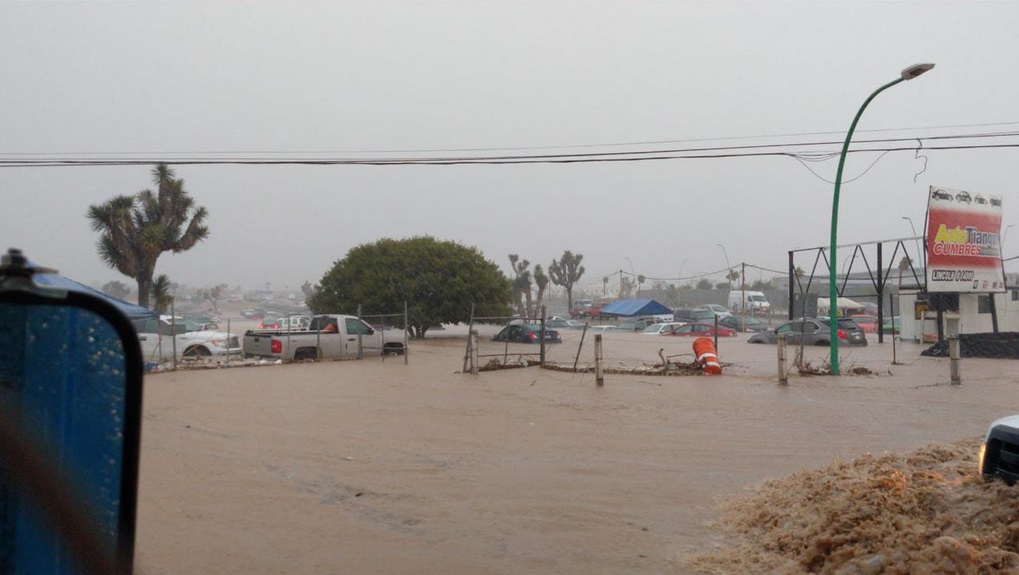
{"x": 63, "y": 369}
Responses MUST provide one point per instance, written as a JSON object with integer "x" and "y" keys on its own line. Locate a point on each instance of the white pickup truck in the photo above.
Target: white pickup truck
{"x": 329, "y": 336}
{"x": 160, "y": 337}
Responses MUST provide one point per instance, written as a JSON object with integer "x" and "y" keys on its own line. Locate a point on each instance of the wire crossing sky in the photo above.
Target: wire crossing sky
{"x": 643, "y": 134}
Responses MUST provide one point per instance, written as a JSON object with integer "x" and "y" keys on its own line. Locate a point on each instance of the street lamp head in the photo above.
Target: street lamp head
{"x": 915, "y": 70}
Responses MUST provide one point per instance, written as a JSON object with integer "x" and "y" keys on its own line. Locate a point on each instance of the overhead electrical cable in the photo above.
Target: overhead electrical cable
{"x": 546, "y": 147}
{"x": 28, "y": 160}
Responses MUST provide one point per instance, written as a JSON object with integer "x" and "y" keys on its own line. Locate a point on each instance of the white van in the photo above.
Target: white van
{"x": 754, "y": 301}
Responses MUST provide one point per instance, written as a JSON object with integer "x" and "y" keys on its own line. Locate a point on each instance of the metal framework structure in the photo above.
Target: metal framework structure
{"x": 878, "y": 273}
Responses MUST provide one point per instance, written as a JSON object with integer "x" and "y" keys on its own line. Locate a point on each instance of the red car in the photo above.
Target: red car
{"x": 867, "y": 323}
{"x": 703, "y": 330}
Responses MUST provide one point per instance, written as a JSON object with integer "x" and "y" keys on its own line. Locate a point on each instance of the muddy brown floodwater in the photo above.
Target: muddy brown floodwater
{"x": 380, "y": 467}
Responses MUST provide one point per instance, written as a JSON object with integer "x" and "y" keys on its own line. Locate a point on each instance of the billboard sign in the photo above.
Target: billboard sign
{"x": 963, "y": 242}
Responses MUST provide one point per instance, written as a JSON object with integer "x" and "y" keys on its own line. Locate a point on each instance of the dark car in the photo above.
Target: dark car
{"x": 996, "y": 201}
{"x": 527, "y": 333}
{"x": 942, "y": 195}
{"x": 963, "y": 197}
{"x": 743, "y": 324}
{"x": 813, "y": 331}
{"x": 980, "y": 200}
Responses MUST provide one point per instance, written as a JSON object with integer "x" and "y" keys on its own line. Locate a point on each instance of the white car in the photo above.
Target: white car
{"x": 720, "y": 310}
{"x": 601, "y": 328}
{"x": 662, "y": 328}
{"x": 999, "y": 455}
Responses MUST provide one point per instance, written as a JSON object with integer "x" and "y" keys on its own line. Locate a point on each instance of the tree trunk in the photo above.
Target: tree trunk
{"x": 144, "y": 288}
{"x": 569, "y": 298}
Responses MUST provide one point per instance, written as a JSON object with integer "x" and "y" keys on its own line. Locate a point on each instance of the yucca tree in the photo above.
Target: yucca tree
{"x": 162, "y": 293}
{"x": 135, "y": 230}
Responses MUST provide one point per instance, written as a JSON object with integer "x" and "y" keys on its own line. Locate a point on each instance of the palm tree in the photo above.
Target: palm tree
{"x": 604, "y": 285}
{"x": 135, "y": 230}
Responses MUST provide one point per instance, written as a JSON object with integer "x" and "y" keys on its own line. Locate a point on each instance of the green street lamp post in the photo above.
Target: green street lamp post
{"x": 907, "y": 74}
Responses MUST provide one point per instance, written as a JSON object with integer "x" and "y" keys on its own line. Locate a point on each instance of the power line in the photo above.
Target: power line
{"x": 546, "y": 147}
{"x": 506, "y": 160}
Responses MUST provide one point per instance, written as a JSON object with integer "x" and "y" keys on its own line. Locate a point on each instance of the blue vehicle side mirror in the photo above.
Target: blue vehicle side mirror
{"x": 70, "y": 418}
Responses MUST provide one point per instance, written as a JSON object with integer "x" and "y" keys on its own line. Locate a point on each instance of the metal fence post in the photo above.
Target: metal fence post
{"x": 542, "y": 334}
{"x": 360, "y": 330}
{"x": 599, "y": 377}
{"x": 783, "y": 377}
{"x": 952, "y": 325}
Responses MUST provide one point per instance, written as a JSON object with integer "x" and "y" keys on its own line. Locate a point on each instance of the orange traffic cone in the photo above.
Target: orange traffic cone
{"x": 704, "y": 350}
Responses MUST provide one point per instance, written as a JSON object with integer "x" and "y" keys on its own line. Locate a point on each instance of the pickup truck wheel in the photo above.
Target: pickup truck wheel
{"x": 304, "y": 354}
{"x": 392, "y": 348}
{"x": 197, "y": 351}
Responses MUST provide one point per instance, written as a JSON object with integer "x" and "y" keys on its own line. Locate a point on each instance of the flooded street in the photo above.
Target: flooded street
{"x": 381, "y": 467}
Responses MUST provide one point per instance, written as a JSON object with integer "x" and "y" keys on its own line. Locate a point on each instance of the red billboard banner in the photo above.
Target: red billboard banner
{"x": 963, "y": 242}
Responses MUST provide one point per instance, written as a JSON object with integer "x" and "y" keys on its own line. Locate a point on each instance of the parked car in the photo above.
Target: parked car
{"x": 891, "y": 326}
{"x": 581, "y": 308}
{"x": 269, "y": 323}
{"x": 867, "y": 323}
{"x": 942, "y": 195}
{"x": 813, "y": 331}
{"x": 746, "y": 324}
{"x": 563, "y": 323}
{"x": 634, "y": 325}
{"x": 720, "y": 310}
{"x": 661, "y": 328}
{"x": 527, "y": 333}
{"x": 687, "y": 315}
{"x": 997, "y": 458}
{"x": 702, "y": 330}
{"x": 253, "y": 313}
{"x": 963, "y": 197}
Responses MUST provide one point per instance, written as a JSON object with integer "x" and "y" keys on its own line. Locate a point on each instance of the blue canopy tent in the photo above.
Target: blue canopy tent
{"x": 635, "y": 308}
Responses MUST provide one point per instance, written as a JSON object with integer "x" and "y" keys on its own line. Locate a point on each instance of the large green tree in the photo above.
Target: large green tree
{"x": 439, "y": 280}
{"x": 566, "y": 272}
{"x": 135, "y": 230}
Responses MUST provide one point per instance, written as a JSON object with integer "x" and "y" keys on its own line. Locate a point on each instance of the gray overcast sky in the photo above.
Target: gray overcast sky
{"x": 121, "y": 79}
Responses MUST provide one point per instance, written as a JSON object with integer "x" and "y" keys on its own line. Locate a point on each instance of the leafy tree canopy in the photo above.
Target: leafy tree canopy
{"x": 438, "y": 280}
